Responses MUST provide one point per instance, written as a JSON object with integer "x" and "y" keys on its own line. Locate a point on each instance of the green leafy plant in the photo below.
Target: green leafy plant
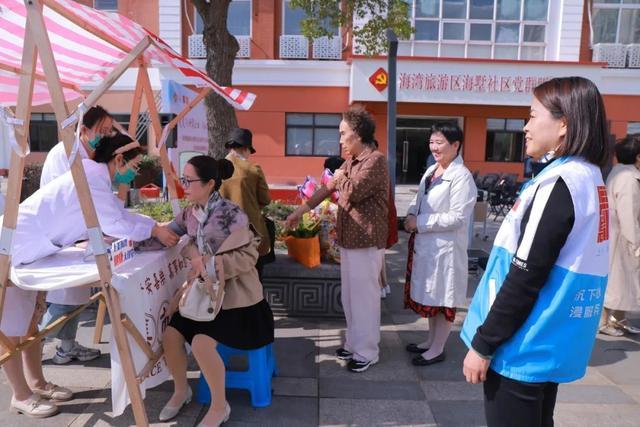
{"x": 160, "y": 211}
{"x": 309, "y": 226}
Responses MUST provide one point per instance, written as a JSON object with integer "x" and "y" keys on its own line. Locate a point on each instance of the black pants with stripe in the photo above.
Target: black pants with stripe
{"x": 511, "y": 403}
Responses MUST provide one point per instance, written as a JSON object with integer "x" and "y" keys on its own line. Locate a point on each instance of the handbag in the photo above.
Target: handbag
{"x": 202, "y": 297}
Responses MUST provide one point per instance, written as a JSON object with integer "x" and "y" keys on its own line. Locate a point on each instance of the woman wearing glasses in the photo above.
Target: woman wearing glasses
{"x": 49, "y": 220}
{"x": 216, "y": 227}
{"x": 438, "y": 220}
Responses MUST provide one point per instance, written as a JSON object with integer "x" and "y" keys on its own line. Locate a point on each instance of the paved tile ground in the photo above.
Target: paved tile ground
{"x": 313, "y": 387}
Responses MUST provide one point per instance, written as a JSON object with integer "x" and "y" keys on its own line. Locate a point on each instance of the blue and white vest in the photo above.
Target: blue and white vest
{"x": 555, "y": 342}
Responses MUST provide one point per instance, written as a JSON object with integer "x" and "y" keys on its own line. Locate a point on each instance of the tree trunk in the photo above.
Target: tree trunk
{"x": 221, "y": 53}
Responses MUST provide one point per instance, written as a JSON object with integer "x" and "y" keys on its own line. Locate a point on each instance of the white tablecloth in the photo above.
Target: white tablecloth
{"x": 145, "y": 284}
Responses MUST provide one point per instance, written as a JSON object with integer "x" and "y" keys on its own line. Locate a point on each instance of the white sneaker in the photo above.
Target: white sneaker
{"x": 34, "y": 407}
{"x": 387, "y": 289}
{"x": 383, "y": 293}
{"x": 79, "y": 352}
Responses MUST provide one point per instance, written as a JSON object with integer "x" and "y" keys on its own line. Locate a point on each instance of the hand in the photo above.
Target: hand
{"x": 198, "y": 268}
{"x": 475, "y": 367}
{"x": 337, "y": 175}
{"x": 294, "y": 218}
{"x": 410, "y": 223}
{"x": 166, "y": 236}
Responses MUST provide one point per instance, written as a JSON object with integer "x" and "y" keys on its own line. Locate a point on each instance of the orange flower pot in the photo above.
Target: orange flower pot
{"x": 304, "y": 250}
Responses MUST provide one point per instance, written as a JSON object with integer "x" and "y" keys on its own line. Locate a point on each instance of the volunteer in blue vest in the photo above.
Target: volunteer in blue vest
{"x": 96, "y": 123}
{"x": 533, "y": 319}
{"x": 49, "y": 220}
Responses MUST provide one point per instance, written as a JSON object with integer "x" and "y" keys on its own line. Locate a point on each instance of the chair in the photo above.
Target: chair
{"x": 256, "y": 379}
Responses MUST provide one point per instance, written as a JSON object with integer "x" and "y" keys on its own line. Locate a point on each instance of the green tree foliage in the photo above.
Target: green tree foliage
{"x": 376, "y": 16}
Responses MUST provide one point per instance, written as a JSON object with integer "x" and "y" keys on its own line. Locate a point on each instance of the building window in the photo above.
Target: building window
{"x": 505, "y": 139}
{"x": 292, "y": 18}
{"x": 501, "y": 29}
{"x": 633, "y": 127}
{"x": 106, "y": 5}
{"x": 238, "y": 19}
{"x": 616, "y": 21}
{"x": 43, "y": 132}
{"x": 313, "y": 134}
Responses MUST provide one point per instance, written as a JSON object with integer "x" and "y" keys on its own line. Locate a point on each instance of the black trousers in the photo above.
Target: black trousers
{"x": 511, "y": 403}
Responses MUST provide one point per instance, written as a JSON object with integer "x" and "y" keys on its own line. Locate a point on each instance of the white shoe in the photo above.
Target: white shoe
{"x": 383, "y": 293}
{"x": 169, "y": 412}
{"x": 54, "y": 392}
{"x": 225, "y": 418}
{"x": 34, "y": 407}
{"x": 387, "y": 289}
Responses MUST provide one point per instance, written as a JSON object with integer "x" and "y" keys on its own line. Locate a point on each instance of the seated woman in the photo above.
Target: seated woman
{"x": 245, "y": 321}
{"x": 48, "y": 221}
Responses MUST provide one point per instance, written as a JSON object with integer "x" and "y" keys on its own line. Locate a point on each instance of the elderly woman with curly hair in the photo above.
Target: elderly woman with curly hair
{"x": 363, "y": 183}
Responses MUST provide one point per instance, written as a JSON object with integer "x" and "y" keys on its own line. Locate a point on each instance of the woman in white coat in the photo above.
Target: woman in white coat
{"x": 438, "y": 220}
{"x": 48, "y": 221}
{"x": 623, "y": 287}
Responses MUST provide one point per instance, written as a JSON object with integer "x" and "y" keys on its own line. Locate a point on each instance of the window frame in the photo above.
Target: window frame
{"x": 504, "y": 130}
{"x": 283, "y": 21}
{"x": 313, "y": 126}
{"x": 614, "y": 6}
{"x": 468, "y": 21}
{"x": 196, "y": 16}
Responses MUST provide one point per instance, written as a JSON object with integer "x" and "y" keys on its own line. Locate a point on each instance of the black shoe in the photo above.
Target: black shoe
{"x": 359, "y": 366}
{"x": 343, "y": 354}
{"x": 421, "y": 361}
{"x": 413, "y": 348}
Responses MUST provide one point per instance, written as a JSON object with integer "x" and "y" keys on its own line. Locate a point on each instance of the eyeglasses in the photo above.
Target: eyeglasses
{"x": 187, "y": 182}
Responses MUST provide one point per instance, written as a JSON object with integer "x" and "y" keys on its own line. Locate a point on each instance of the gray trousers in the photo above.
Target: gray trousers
{"x": 360, "y": 273}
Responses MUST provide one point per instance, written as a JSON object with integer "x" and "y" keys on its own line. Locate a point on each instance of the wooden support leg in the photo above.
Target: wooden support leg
{"x": 102, "y": 311}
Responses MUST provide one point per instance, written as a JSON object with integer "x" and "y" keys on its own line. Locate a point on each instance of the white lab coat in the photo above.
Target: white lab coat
{"x": 52, "y": 219}
{"x": 55, "y": 165}
{"x": 440, "y": 271}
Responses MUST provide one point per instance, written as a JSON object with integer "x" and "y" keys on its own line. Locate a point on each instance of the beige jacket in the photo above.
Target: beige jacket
{"x": 237, "y": 256}
{"x": 623, "y": 191}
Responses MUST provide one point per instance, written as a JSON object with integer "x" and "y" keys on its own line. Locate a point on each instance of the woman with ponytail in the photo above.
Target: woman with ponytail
{"x": 48, "y": 221}
{"x": 216, "y": 227}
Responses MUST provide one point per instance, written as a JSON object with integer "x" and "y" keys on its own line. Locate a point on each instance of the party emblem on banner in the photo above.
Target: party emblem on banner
{"x": 379, "y": 79}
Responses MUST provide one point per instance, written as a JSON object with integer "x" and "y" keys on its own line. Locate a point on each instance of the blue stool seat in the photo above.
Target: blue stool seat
{"x": 256, "y": 379}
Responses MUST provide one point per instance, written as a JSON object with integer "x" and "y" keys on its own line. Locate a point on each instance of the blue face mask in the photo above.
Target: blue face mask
{"x": 94, "y": 142}
{"x": 125, "y": 178}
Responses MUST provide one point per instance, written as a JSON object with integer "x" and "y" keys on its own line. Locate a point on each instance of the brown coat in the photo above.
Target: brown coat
{"x": 248, "y": 189}
{"x": 623, "y": 191}
{"x": 238, "y": 255}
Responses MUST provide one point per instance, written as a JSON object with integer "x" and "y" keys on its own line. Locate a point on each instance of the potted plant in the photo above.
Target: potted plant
{"x": 303, "y": 243}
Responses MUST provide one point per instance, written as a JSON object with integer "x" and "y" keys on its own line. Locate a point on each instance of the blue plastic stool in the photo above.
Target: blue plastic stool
{"x": 256, "y": 379}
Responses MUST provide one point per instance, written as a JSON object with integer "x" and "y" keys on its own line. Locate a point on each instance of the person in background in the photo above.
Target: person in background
{"x": 217, "y": 227}
{"x": 533, "y": 319}
{"x": 333, "y": 163}
{"x": 438, "y": 219}
{"x": 623, "y": 191}
{"x": 248, "y": 187}
{"x": 58, "y": 203}
{"x": 96, "y": 123}
{"x": 363, "y": 184}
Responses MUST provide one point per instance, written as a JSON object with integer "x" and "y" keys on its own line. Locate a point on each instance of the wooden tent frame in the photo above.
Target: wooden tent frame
{"x": 37, "y": 43}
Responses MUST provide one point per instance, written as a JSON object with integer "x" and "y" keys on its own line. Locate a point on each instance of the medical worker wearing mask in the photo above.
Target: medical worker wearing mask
{"x": 48, "y": 221}
{"x": 96, "y": 123}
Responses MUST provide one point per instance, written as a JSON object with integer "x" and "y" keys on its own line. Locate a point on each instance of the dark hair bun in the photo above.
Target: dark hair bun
{"x": 225, "y": 169}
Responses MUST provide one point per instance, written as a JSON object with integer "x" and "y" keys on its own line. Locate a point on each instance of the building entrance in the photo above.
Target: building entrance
{"x": 412, "y": 146}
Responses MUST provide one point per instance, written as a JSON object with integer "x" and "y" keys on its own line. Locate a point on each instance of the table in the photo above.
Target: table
{"x": 146, "y": 284}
